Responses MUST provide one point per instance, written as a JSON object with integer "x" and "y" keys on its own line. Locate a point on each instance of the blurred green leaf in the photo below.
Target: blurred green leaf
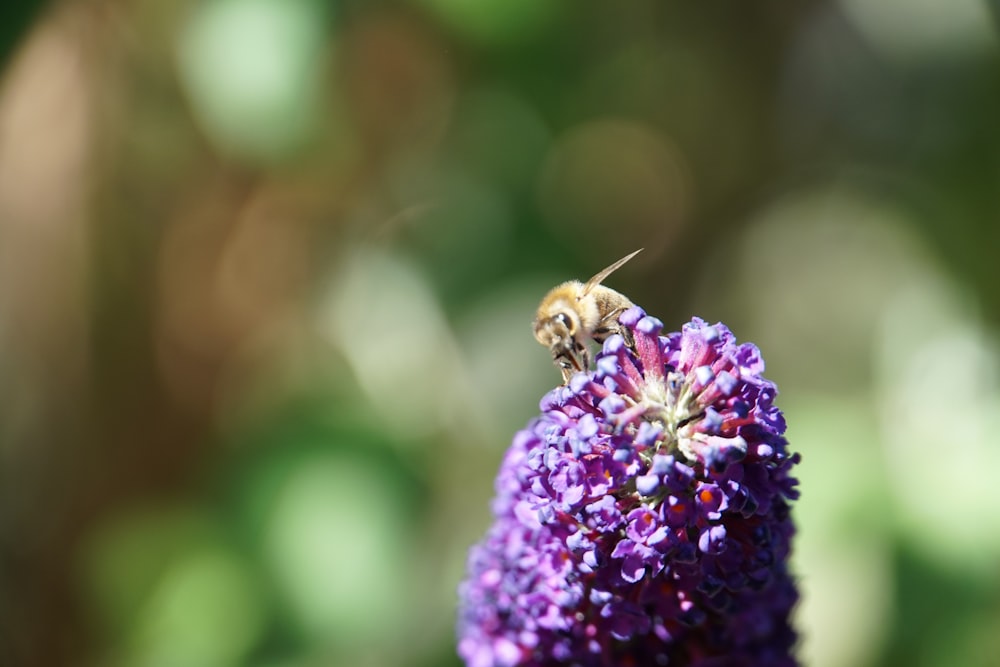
{"x": 331, "y": 512}
{"x": 15, "y": 19}
{"x": 206, "y": 611}
{"x": 497, "y": 22}
{"x": 171, "y": 591}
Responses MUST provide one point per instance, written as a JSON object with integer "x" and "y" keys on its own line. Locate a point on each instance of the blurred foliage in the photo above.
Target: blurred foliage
{"x": 15, "y": 18}
{"x": 267, "y": 269}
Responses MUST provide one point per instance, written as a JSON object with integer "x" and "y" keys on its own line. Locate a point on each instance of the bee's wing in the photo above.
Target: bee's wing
{"x": 604, "y": 273}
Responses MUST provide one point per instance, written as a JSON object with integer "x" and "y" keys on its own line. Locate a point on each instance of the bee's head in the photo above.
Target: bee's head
{"x": 557, "y": 332}
{"x": 556, "y": 327}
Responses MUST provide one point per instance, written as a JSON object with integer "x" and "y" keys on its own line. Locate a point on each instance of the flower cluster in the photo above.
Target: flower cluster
{"x": 643, "y": 518}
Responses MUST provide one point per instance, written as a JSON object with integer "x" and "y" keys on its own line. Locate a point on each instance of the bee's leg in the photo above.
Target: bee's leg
{"x": 629, "y": 338}
{"x": 584, "y": 354}
{"x": 570, "y": 360}
{"x": 610, "y": 326}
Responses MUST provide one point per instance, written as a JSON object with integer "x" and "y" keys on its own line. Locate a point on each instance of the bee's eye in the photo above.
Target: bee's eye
{"x": 564, "y": 320}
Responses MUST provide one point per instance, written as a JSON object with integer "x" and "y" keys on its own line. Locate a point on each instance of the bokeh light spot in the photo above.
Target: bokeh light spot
{"x": 206, "y": 610}
{"x": 907, "y": 30}
{"x": 385, "y": 319}
{"x": 253, "y": 72}
{"x": 335, "y": 542}
{"x": 842, "y": 538}
{"x": 938, "y": 384}
{"x": 834, "y": 244}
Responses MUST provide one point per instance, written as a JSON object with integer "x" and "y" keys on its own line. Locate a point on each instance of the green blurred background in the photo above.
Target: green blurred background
{"x": 267, "y": 270}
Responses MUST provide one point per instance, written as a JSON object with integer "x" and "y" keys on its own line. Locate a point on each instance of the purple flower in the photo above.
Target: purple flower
{"x": 643, "y": 518}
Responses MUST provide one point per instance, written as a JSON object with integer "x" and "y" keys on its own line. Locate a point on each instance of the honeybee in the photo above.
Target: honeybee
{"x": 574, "y": 313}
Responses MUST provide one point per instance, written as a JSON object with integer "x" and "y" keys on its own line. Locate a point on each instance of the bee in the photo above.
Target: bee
{"x": 574, "y": 313}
